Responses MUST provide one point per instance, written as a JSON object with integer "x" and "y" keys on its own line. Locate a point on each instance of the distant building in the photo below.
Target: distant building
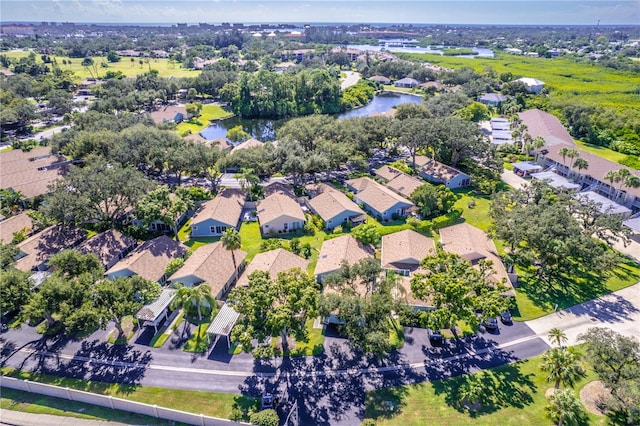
{"x": 407, "y": 83}
{"x": 533, "y": 85}
{"x": 493, "y": 99}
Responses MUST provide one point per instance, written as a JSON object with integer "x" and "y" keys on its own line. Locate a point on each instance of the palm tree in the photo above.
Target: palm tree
{"x": 623, "y": 175}
{"x": 561, "y": 366}
{"x": 182, "y": 301}
{"x": 538, "y": 143}
{"x": 557, "y": 336}
{"x": 632, "y": 181}
{"x": 248, "y": 179}
{"x": 231, "y": 241}
{"x": 572, "y": 153}
{"x": 564, "y": 151}
{"x": 201, "y": 298}
{"x": 564, "y": 406}
{"x": 581, "y": 164}
{"x": 612, "y": 177}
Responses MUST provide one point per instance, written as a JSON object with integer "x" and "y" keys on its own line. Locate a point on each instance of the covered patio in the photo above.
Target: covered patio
{"x": 605, "y": 205}
{"x": 223, "y": 323}
{"x": 525, "y": 168}
{"x": 155, "y": 312}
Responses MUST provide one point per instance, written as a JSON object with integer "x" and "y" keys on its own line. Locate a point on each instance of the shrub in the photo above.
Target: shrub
{"x": 265, "y": 418}
{"x": 306, "y": 250}
{"x": 337, "y": 230}
{"x": 295, "y": 246}
{"x": 446, "y": 220}
{"x": 368, "y": 422}
{"x": 395, "y": 216}
{"x": 471, "y": 204}
{"x": 173, "y": 266}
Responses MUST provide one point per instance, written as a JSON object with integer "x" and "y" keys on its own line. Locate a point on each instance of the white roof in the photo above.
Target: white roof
{"x": 224, "y": 321}
{"x": 530, "y": 81}
{"x": 555, "y": 180}
{"x": 153, "y": 310}
{"x": 526, "y": 166}
{"x": 606, "y": 205}
{"x": 633, "y": 223}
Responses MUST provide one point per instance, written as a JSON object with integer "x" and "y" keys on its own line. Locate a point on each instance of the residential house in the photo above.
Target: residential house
{"x": 500, "y": 123}
{"x": 35, "y": 251}
{"x": 403, "y": 251}
{"x": 175, "y": 113}
{"x": 31, "y": 173}
{"x": 212, "y": 264}
{"x": 149, "y": 260}
{"x": 436, "y": 172}
{"x": 334, "y": 207}
{"x": 408, "y": 83}
{"x": 399, "y": 181}
{"x": 273, "y": 262}
{"x": 593, "y": 177}
{"x": 278, "y": 188}
{"x": 14, "y": 225}
{"x": 380, "y": 79}
{"x": 547, "y": 126}
{"x": 216, "y": 216}
{"x": 492, "y": 99}
{"x": 533, "y": 85}
{"x": 279, "y": 213}
{"x": 109, "y": 246}
{"x": 473, "y": 244}
{"x": 378, "y": 199}
{"x": 249, "y": 143}
{"x": 337, "y": 250}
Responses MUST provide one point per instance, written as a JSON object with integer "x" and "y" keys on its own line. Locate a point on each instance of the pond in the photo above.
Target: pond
{"x": 435, "y": 50}
{"x": 264, "y": 129}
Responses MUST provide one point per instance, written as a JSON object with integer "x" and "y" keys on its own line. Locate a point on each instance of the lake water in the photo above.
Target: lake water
{"x": 264, "y": 129}
{"x": 482, "y": 52}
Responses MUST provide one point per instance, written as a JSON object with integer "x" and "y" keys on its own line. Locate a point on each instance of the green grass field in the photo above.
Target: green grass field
{"x": 33, "y": 403}
{"x": 209, "y": 112}
{"x": 165, "y": 67}
{"x": 514, "y": 395}
{"x": 569, "y": 82}
{"x": 208, "y": 403}
{"x": 601, "y": 151}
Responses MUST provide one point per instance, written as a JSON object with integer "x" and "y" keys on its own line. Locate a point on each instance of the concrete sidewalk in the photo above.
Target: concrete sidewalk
{"x": 512, "y": 179}
{"x": 17, "y": 418}
{"x": 619, "y": 311}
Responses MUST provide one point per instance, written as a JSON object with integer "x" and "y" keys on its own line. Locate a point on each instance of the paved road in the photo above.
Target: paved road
{"x": 352, "y": 78}
{"x": 46, "y": 134}
{"x": 330, "y": 389}
{"x": 619, "y": 311}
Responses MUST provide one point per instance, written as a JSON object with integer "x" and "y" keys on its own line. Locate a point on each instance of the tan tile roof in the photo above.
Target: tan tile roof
{"x": 331, "y": 202}
{"x": 14, "y": 224}
{"x": 547, "y": 126}
{"x": 19, "y": 170}
{"x": 167, "y": 113}
{"x": 335, "y": 250}
{"x": 226, "y": 208}
{"x": 278, "y": 187}
{"x": 40, "y": 247}
{"x": 250, "y": 143}
{"x": 403, "y": 292}
{"x": 421, "y": 161}
{"x": 473, "y": 244}
{"x": 598, "y": 166}
{"x": 273, "y": 262}
{"x": 440, "y": 172}
{"x": 212, "y": 264}
{"x": 277, "y": 205}
{"x": 376, "y": 195}
{"x": 399, "y": 181}
{"x": 150, "y": 259}
{"x": 107, "y": 245}
{"x": 405, "y": 249}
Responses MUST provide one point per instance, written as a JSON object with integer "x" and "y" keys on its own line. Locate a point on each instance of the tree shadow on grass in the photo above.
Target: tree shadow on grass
{"x": 501, "y": 387}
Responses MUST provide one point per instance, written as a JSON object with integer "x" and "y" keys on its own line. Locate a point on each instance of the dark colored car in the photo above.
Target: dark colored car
{"x": 506, "y": 317}
{"x": 435, "y": 335}
{"x": 491, "y": 324}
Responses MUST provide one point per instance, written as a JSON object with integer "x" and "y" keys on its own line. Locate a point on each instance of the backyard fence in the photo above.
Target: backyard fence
{"x": 115, "y": 403}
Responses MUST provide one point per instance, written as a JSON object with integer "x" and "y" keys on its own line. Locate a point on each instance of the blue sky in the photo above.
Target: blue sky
{"x": 573, "y": 12}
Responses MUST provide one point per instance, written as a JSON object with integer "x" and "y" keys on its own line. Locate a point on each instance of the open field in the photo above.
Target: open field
{"x": 601, "y": 151}
{"x": 569, "y": 82}
{"x": 208, "y": 403}
{"x": 209, "y": 112}
{"x": 514, "y": 395}
{"x": 129, "y": 68}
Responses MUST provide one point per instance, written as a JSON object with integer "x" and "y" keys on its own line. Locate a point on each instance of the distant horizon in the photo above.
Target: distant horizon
{"x": 409, "y": 12}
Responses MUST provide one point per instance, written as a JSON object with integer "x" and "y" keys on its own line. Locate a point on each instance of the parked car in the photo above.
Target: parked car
{"x": 506, "y": 317}
{"x": 490, "y": 323}
{"x": 435, "y": 336}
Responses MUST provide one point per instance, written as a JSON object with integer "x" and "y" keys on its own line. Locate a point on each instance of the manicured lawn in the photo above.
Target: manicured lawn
{"x": 251, "y": 238}
{"x": 33, "y": 403}
{"x": 514, "y": 395}
{"x": 535, "y": 299}
{"x": 315, "y": 345}
{"x": 165, "y": 67}
{"x": 601, "y": 151}
{"x": 209, "y": 112}
{"x": 208, "y": 403}
{"x": 478, "y": 215}
{"x": 198, "y": 342}
{"x": 392, "y": 88}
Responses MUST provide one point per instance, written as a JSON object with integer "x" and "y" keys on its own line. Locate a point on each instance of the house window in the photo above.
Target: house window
{"x": 194, "y": 228}
{"x": 218, "y": 229}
